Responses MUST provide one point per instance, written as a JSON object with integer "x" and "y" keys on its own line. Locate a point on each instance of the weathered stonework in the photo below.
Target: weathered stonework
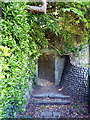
{"x": 50, "y": 67}
{"x": 59, "y": 66}
{"x": 27, "y": 93}
{"x": 81, "y": 58}
{"x": 75, "y": 81}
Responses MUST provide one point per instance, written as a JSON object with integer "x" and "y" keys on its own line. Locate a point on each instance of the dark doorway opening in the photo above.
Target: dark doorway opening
{"x": 46, "y": 67}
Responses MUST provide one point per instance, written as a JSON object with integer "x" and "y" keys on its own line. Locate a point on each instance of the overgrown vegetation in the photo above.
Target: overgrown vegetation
{"x": 24, "y": 34}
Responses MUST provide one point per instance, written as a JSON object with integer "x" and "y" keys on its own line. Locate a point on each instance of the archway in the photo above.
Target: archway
{"x": 46, "y": 69}
{"x": 49, "y": 68}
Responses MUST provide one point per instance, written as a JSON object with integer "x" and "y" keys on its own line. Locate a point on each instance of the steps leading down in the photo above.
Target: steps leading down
{"x": 51, "y": 99}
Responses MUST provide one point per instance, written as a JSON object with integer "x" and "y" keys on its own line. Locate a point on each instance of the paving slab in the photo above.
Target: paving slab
{"x": 50, "y": 95}
{"x": 56, "y": 114}
{"x": 46, "y": 114}
{"x": 40, "y": 95}
{"x": 58, "y": 96}
{"x": 65, "y": 102}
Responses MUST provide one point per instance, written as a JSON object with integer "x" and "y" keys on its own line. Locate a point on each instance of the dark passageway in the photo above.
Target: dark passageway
{"x": 46, "y": 67}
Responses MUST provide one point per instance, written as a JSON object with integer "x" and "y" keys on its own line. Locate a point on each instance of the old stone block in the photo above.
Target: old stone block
{"x": 58, "y": 96}
{"x": 46, "y": 114}
{"x": 56, "y": 114}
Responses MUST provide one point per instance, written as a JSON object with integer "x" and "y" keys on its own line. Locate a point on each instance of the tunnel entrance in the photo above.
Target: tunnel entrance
{"x": 46, "y": 68}
{"x": 49, "y": 69}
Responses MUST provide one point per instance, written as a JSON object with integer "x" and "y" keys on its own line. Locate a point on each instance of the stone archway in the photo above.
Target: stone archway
{"x": 49, "y": 68}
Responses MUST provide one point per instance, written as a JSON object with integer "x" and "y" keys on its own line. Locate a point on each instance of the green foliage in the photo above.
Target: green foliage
{"x": 24, "y": 35}
{"x": 19, "y": 47}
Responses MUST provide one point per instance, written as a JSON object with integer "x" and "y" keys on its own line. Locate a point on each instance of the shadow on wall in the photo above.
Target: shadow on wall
{"x": 75, "y": 81}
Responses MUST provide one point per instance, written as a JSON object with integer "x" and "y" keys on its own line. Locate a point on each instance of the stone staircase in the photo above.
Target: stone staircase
{"x": 47, "y": 101}
{"x": 50, "y": 99}
{"x": 47, "y": 105}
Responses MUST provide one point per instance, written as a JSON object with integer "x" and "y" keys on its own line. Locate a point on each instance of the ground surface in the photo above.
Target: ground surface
{"x": 46, "y": 88}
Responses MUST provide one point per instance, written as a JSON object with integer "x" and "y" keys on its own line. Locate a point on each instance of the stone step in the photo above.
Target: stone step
{"x": 48, "y": 114}
{"x": 64, "y": 102}
{"x": 53, "y": 96}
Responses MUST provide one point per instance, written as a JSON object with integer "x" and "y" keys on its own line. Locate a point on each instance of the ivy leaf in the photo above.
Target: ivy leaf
{"x": 78, "y": 12}
{"x": 66, "y": 9}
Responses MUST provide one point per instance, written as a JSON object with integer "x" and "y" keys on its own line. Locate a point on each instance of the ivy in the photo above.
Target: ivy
{"x": 19, "y": 47}
{"x": 24, "y": 35}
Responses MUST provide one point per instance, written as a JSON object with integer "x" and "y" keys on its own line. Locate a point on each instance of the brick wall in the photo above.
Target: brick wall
{"x": 75, "y": 81}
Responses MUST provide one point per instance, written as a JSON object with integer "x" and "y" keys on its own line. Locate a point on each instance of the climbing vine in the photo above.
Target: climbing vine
{"x": 24, "y": 35}
{"x": 19, "y": 47}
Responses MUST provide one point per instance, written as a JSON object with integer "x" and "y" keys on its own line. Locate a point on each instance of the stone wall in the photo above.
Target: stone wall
{"x": 81, "y": 58}
{"x": 28, "y": 93}
{"x": 59, "y": 66}
{"x": 75, "y": 81}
